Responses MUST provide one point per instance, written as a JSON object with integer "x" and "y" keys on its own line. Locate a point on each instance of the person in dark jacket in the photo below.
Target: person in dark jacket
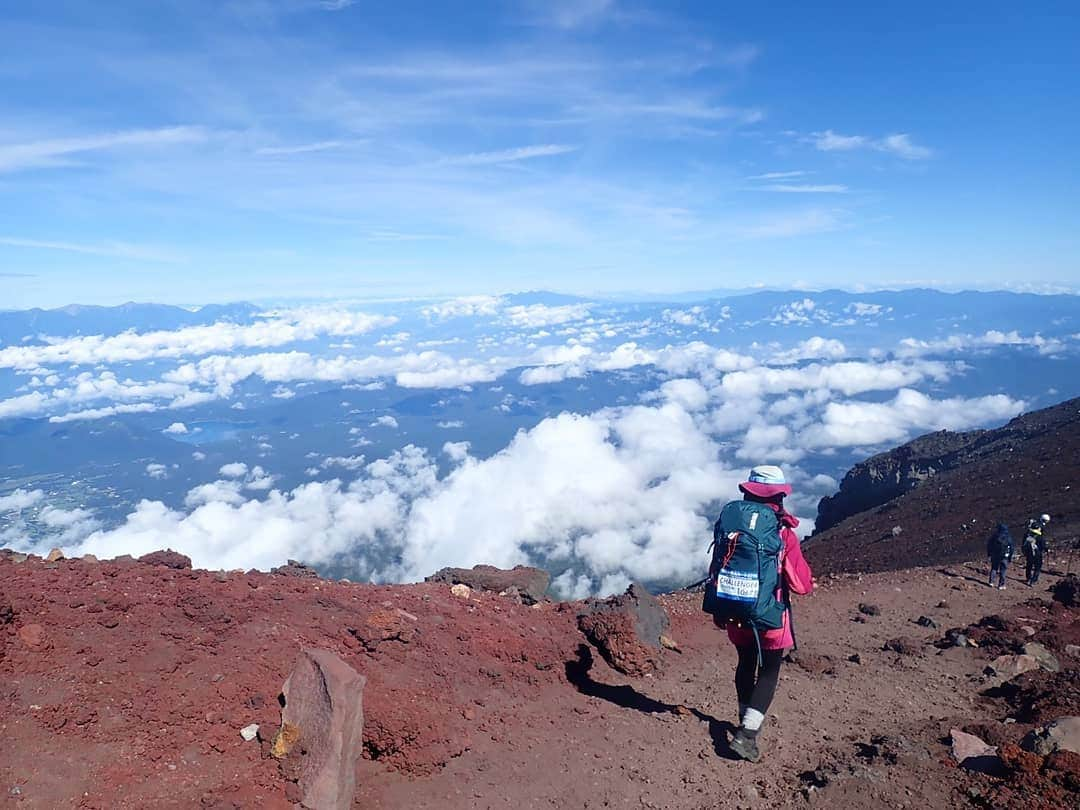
{"x": 1000, "y": 550}
{"x": 1035, "y": 544}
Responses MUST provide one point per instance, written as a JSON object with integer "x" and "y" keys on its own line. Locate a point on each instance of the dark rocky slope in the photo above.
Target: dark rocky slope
{"x": 936, "y": 498}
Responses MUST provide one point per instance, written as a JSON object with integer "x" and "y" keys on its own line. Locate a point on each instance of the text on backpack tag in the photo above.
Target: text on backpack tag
{"x": 738, "y": 585}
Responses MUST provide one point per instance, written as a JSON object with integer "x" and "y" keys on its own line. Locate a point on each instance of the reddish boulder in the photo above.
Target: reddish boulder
{"x": 167, "y": 558}
{"x": 529, "y": 584}
{"x": 32, "y": 635}
{"x": 626, "y": 630}
{"x": 294, "y": 568}
{"x": 322, "y": 726}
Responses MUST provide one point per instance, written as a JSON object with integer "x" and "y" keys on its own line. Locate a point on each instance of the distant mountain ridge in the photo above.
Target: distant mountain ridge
{"x": 955, "y": 487}
{"x": 79, "y": 319}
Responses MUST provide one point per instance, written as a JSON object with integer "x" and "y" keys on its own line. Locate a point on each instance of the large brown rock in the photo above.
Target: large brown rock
{"x": 530, "y": 584}
{"x": 167, "y": 558}
{"x": 626, "y": 630}
{"x": 322, "y": 726}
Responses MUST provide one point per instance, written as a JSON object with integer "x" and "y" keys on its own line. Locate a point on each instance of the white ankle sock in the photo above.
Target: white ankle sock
{"x": 752, "y": 719}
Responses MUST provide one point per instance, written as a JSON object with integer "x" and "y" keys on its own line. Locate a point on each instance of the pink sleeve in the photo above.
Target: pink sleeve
{"x": 796, "y": 569}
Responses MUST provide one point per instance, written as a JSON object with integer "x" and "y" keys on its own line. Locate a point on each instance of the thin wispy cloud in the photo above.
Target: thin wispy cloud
{"x": 111, "y": 250}
{"x": 791, "y": 188}
{"x": 899, "y": 144}
{"x": 300, "y": 149}
{"x": 779, "y": 175}
{"x": 335, "y": 5}
{"x": 59, "y": 151}
{"x": 509, "y": 155}
{"x": 798, "y": 223}
{"x": 568, "y": 14}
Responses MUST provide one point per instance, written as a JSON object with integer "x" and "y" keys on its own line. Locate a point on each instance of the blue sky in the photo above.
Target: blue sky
{"x": 187, "y": 152}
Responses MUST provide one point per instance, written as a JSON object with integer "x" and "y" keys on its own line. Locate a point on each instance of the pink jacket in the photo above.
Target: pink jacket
{"x": 797, "y": 574}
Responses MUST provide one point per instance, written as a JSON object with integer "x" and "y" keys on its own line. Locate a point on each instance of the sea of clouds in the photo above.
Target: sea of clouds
{"x": 599, "y": 497}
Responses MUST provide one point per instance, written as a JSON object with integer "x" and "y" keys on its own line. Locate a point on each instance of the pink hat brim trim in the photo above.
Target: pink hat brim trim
{"x": 765, "y": 490}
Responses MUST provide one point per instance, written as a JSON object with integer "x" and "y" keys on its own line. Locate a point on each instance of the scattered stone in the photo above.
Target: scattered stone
{"x": 669, "y": 644}
{"x": 461, "y": 591}
{"x": 973, "y": 754}
{"x": 903, "y": 646}
{"x": 168, "y": 558}
{"x": 955, "y": 637}
{"x": 89, "y": 558}
{"x": 1067, "y": 591}
{"x": 855, "y": 658}
{"x": 869, "y": 610}
{"x": 19, "y": 558}
{"x": 1061, "y": 735}
{"x": 528, "y": 585}
{"x": 1072, "y": 650}
{"x": 626, "y": 630}
{"x": 249, "y": 733}
{"x": 1027, "y": 631}
{"x": 994, "y": 622}
{"x": 749, "y": 793}
{"x": 1043, "y": 656}
{"x": 926, "y": 621}
{"x": 385, "y": 625}
{"x": 32, "y": 635}
{"x": 942, "y": 605}
{"x": 55, "y": 555}
{"x": 1009, "y": 666}
{"x": 284, "y": 740}
{"x": 7, "y": 612}
{"x": 295, "y": 568}
{"x": 324, "y": 713}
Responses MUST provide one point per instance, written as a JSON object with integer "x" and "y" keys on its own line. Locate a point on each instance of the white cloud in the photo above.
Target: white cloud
{"x": 815, "y": 348}
{"x": 236, "y": 469}
{"x": 875, "y": 423}
{"x": 779, "y": 175}
{"x": 899, "y": 144}
{"x": 346, "y": 462}
{"x": 508, "y": 155}
{"x": 534, "y": 316}
{"x": 104, "y": 413}
{"x": 21, "y": 499}
{"x": 57, "y": 152}
{"x": 805, "y": 188}
{"x": 865, "y": 310}
{"x": 386, "y": 421}
{"x": 465, "y": 307}
{"x": 157, "y": 470}
{"x": 913, "y": 347}
{"x": 288, "y": 326}
{"x": 456, "y": 451}
{"x": 178, "y": 428}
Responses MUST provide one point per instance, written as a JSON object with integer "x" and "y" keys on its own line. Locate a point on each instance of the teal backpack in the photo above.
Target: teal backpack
{"x": 744, "y": 576}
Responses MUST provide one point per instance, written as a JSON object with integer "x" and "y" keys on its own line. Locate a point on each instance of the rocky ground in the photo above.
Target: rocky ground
{"x": 1012, "y": 473}
{"x": 126, "y": 684}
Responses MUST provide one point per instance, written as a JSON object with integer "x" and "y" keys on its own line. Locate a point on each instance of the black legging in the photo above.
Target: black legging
{"x": 756, "y": 687}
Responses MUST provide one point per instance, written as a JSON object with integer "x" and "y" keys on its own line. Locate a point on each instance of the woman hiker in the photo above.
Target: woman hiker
{"x": 761, "y": 650}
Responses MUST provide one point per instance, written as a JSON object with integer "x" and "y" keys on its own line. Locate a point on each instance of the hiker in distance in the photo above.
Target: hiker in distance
{"x": 756, "y": 564}
{"x": 1035, "y": 543}
{"x": 1000, "y": 550}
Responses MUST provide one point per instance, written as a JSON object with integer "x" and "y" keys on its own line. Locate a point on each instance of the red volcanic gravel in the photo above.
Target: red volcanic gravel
{"x": 125, "y": 685}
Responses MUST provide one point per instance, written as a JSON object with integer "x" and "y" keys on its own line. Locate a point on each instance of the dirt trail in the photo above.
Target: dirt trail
{"x": 622, "y": 742}
{"x": 124, "y": 685}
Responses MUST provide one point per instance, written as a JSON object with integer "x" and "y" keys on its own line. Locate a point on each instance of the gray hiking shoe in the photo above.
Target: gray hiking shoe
{"x": 744, "y": 744}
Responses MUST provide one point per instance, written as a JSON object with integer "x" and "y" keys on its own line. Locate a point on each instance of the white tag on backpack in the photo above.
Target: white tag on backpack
{"x": 737, "y": 585}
